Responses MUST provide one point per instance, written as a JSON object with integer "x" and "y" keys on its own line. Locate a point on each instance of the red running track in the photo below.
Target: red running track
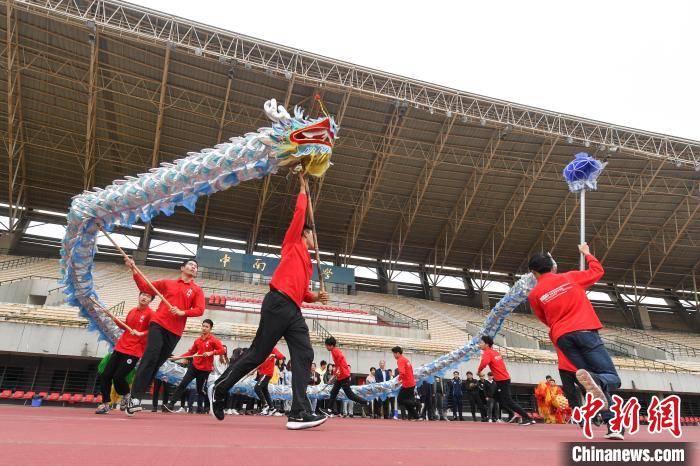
{"x": 75, "y": 436}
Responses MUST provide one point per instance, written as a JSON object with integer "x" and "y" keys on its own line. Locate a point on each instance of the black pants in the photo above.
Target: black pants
{"x": 428, "y": 411}
{"x": 345, "y": 385}
{"x": 505, "y": 399}
{"x": 115, "y": 372}
{"x": 159, "y": 348}
{"x": 475, "y": 404}
{"x": 262, "y": 391}
{"x": 279, "y": 317}
{"x": 493, "y": 411}
{"x": 192, "y": 374}
{"x": 157, "y": 384}
{"x": 570, "y": 385}
{"x": 439, "y": 402}
{"x": 457, "y": 408}
{"x": 407, "y": 399}
{"x": 382, "y": 408}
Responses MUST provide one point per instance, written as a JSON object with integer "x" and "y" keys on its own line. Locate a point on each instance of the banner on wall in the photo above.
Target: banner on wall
{"x": 236, "y": 262}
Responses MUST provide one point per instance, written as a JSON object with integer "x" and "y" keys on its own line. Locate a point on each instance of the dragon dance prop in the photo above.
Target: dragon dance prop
{"x": 581, "y": 174}
{"x": 290, "y": 141}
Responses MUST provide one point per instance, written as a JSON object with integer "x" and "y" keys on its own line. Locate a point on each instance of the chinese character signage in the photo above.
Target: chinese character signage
{"x": 263, "y": 265}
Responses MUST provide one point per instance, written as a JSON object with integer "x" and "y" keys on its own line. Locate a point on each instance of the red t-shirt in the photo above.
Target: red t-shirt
{"x": 268, "y": 367}
{"x": 138, "y": 320}
{"x": 492, "y": 358}
{"x": 294, "y": 271}
{"x": 187, "y": 297}
{"x": 563, "y": 362}
{"x": 342, "y": 371}
{"x": 559, "y": 300}
{"x": 406, "y": 372}
{"x": 203, "y": 345}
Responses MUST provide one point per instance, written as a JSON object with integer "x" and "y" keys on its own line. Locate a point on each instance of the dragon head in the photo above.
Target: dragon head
{"x": 300, "y": 140}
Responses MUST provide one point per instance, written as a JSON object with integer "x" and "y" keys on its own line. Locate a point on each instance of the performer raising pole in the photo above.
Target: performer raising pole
{"x": 181, "y": 298}
{"x": 280, "y": 316}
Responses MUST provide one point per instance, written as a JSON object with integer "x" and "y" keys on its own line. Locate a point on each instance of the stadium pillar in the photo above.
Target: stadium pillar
{"x": 691, "y": 319}
{"x": 16, "y": 166}
{"x": 382, "y": 277}
{"x": 10, "y": 239}
{"x": 629, "y": 314}
{"x": 155, "y": 156}
{"x": 91, "y": 124}
{"x": 141, "y": 253}
{"x": 642, "y": 316}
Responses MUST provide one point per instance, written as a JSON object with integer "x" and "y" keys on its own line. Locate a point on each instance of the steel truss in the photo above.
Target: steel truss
{"x": 154, "y": 27}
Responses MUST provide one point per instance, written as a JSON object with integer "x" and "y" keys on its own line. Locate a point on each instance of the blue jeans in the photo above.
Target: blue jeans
{"x": 585, "y": 350}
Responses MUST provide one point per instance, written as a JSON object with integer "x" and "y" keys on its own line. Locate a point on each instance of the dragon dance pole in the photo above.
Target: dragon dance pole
{"x": 581, "y": 175}
{"x": 313, "y": 231}
{"x": 582, "y": 239}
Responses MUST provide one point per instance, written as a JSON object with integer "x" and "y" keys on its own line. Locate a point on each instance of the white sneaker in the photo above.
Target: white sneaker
{"x": 181, "y": 410}
{"x": 234, "y": 412}
{"x": 589, "y": 383}
{"x": 265, "y": 411}
{"x": 276, "y": 413}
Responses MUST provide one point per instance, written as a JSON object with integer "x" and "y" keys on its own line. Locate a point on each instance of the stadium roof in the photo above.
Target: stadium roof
{"x": 96, "y": 90}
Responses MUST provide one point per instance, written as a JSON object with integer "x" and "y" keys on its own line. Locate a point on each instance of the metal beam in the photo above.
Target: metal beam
{"x": 562, "y": 213}
{"x": 155, "y": 157}
{"x": 514, "y": 207}
{"x": 15, "y": 119}
{"x": 265, "y": 189}
{"x": 620, "y": 225}
{"x": 219, "y": 137}
{"x": 91, "y": 123}
{"x": 149, "y": 26}
{"x": 667, "y": 236}
{"x": 452, "y": 227}
{"x": 374, "y": 176}
{"x": 410, "y": 209}
{"x": 338, "y": 120}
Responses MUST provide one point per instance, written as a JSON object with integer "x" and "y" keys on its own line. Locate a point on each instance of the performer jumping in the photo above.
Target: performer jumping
{"x": 202, "y": 351}
{"x": 560, "y": 302}
{"x": 265, "y": 373}
{"x": 281, "y": 317}
{"x": 407, "y": 395}
{"x": 126, "y": 354}
{"x": 492, "y": 358}
{"x": 342, "y": 378}
{"x": 167, "y": 324}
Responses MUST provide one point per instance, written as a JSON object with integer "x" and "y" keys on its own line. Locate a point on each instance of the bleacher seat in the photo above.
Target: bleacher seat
{"x": 28, "y": 395}
{"x": 43, "y": 394}
{"x": 65, "y": 397}
{"x": 6, "y": 394}
{"x": 98, "y": 399}
{"x": 53, "y": 397}
{"x": 77, "y": 398}
{"x": 18, "y": 394}
{"x": 89, "y": 398}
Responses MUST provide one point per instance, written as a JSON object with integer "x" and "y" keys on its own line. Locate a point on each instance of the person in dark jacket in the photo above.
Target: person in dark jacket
{"x": 481, "y": 385}
{"x": 382, "y": 408}
{"x": 493, "y": 411}
{"x": 427, "y": 397}
{"x": 472, "y": 389}
{"x": 456, "y": 390}
{"x": 440, "y": 398}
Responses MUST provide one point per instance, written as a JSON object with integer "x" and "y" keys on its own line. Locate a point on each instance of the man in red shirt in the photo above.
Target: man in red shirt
{"x": 280, "y": 316}
{"x": 560, "y": 302}
{"x": 167, "y": 325}
{"x": 202, "y": 352}
{"x": 265, "y": 373}
{"x": 341, "y": 376}
{"x": 492, "y": 358}
{"x": 126, "y": 354}
{"x": 407, "y": 395}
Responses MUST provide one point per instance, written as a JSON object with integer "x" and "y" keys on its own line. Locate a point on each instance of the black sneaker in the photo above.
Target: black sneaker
{"x": 216, "y": 407}
{"x": 133, "y": 406}
{"x": 170, "y": 407}
{"x": 326, "y": 412}
{"x": 511, "y": 419}
{"x": 527, "y": 422}
{"x": 305, "y": 421}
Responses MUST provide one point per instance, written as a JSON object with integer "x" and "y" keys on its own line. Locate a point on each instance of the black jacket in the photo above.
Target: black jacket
{"x": 472, "y": 386}
{"x": 490, "y": 388}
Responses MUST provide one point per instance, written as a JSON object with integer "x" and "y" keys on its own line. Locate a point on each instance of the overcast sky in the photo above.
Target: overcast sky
{"x": 632, "y": 63}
